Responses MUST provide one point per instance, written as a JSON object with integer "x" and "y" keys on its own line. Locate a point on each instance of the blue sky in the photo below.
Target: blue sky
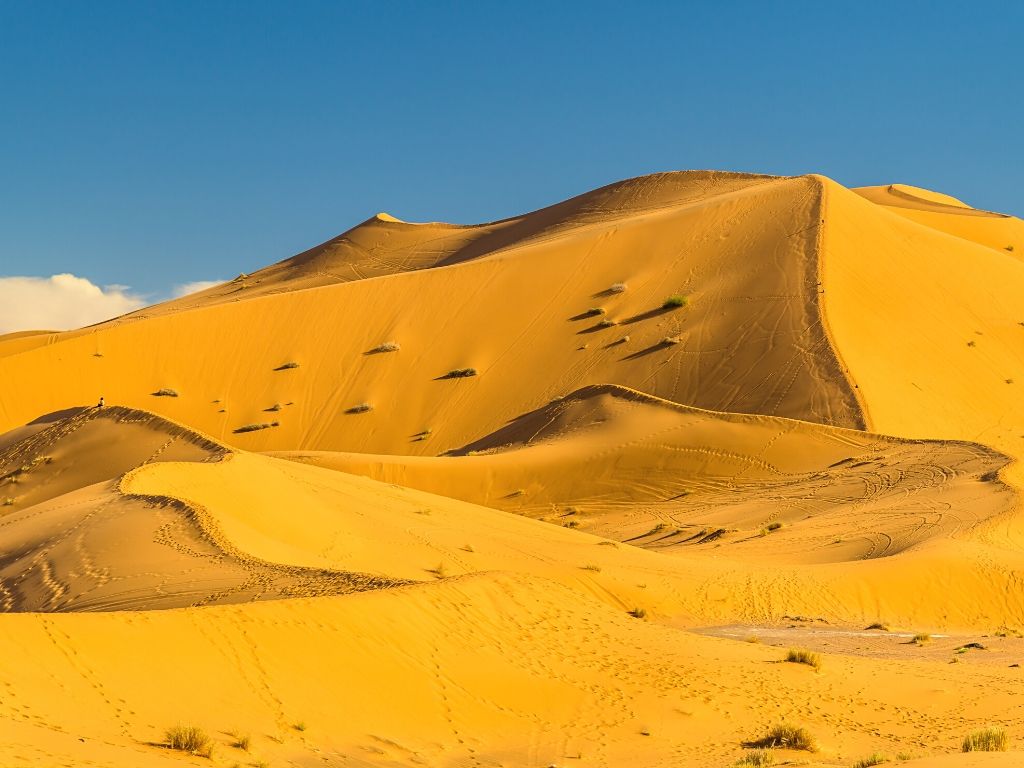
{"x": 150, "y": 144}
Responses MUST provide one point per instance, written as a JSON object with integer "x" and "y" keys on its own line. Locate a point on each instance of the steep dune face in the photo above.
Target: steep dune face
{"x": 582, "y": 303}
{"x": 932, "y": 329}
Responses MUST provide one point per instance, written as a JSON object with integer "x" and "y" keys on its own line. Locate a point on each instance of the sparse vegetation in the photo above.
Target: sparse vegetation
{"x": 875, "y": 759}
{"x": 516, "y": 493}
{"x": 165, "y": 392}
{"x": 592, "y": 567}
{"x": 460, "y": 373}
{"x": 638, "y": 613}
{"x": 878, "y": 625}
{"x": 1009, "y": 248}
{"x": 989, "y": 739}
{"x": 241, "y": 742}
{"x": 775, "y": 525}
{"x": 607, "y": 323}
{"x": 188, "y": 738}
{"x": 921, "y": 638}
{"x": 387, "y": 346}
{"x": 972, "y": 343}
{"x": 656, "y": 529}
{"x": 803, "y": 656}
{"x": 571, "y": 524}
{"x": 8, "y": 502}
{"x": 300, "y": 726}
{"x": 621, "y": 287}
{"x": 287, "y": 366}
{"x": 786, "y": 736}
{"x": 440, "y": 571}
{"x": 669, "y": 341}
{"x": 361, "y": 408}
{"x": 593, "y": 311}
{"x": 675, "y": 301}
{"x": 759, "y": 758}
{"x": 274, "y": 408}
{"x": 255, "y": 427}
{"x": 753, "y": 639}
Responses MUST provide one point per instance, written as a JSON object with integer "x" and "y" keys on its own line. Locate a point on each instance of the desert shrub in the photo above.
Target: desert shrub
{"x": 287, "y": 366}
{"x": 1009, "y": 248}
{"x": 675, "y": 301}
{"x": 387, "y": 346}
{"x": 300, "y": 726}
{"x": 759, "y": 758}
{"x": 754, "y": 639}
{"x": 274, "y": 408}
{"x": 460, "y": 373}
{"x": 786, "y": 736}
{"x": 621, "y": 287}
{"x": 986, "y": 740}
{"x": 188, "y": 738}
{"x": 774, "y": 526}
{"x": 921, "y": 638}
{"x": 241, "y": 742}
{"x": 669, "y": 341}
{"x": 876, "y": 759}
{"x": 878, "y": 625}
{"x": 165, "y": 392}
{"x": 607, "y": 323}
{"x": 638, "y": 613}
{"x": 361, "y": 408}
{"x": 595, "y": 311}
{"x": 571, "y": 524}
{"x": 803, "y": 656}
{"x": 592, "y": 567}
{"x": 255, "y": 427}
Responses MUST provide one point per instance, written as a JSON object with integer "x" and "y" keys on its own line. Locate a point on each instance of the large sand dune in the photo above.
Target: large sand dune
{"x": 392, "y": 501}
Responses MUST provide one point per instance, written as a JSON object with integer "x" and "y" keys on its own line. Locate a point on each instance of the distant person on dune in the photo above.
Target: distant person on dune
{"x": 101, "y": 402}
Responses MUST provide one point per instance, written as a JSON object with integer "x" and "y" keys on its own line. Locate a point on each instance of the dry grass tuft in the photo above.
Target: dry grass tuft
{"x": 165, "y": 392}
{"x": 241, "y": 742}
{"x": 188, "y": 738}
{"x": 803, "y": 656}
{"x": 787, "y": 737}
{"x": 986, "y": 740}
{"x": 921, "y": 638}
{"x": 460, "y": 373}
{"x": 638, "y": 613}
{"x": 387, "y": 346}
{"x": 876, "y": 759}
{"x": 759, "y": 758}
{"x": 621, "y": 287}
{"x": 675, "y": 301}
{"x": 361, "y": 408}
{"x": 287, "y": 366}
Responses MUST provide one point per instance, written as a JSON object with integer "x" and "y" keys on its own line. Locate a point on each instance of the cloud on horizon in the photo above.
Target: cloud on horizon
{"x": 65, "y": 301}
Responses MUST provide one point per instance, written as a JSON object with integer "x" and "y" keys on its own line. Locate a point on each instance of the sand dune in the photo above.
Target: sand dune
{"x": 515, "y": 493}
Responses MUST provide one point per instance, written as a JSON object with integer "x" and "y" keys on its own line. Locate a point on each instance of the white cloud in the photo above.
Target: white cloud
{"x": 199, "y": 285}
{"x": 60, "y": 302}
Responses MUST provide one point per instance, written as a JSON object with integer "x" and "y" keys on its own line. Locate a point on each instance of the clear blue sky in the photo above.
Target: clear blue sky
{"x": 153, "y": 143}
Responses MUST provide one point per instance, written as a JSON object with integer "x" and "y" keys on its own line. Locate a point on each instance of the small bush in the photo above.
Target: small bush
{"x": 592, "y": 567}
{"x": 1009, "y": 248}
{"x": 774, "y": 526}
{"x": 255, "y": 427}
{"x": 986, "y": 740}
{"x": 921, "y": 638}
{"x": 387, "y": 346}
{"x": 802, "y": 656}
{"x": 759, "y": 758}
{"x": 361, "y": 408}
{"x": 165, "y": 392}
{"x": 593, "y": 311}
{"x": 460, "y": 373}
{"x": 188, "y": 738}
{"x": 8, "y": 502}
{"x": 241, "y": 742}
{"x": 287, "y": 366}
{"x": 571, "y": 524}
{"x": 638, "y": 613}
{"x": 606, "y": 323}
{"x": 787, "y": 737}
{"x": 621, "y": 287}
{"x": 876, "y": 759}
{"x": 878, "y": 625}
{"x": 675, "y": 301}
{"x": 273, "y": 409}
{"x": 669, "y": 341}
{"x": 300, "y": 726}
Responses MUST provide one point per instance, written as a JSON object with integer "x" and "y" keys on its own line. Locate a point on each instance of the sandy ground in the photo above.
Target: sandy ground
{"x": 439, "y": 495}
